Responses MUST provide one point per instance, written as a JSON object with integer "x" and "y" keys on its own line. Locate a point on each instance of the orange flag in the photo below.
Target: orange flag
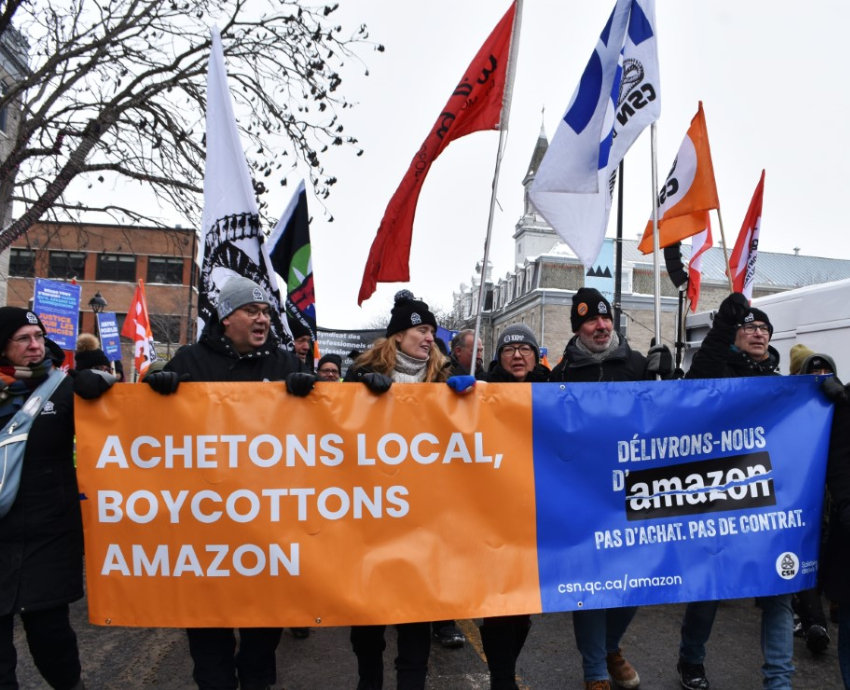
{"x": 137, "y": 327}
{"x": 475, "y": 105}
{"x": 689, "y": 191}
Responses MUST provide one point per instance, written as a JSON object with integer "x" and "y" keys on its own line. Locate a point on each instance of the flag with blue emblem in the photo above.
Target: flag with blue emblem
{"x": 617, "y": 97}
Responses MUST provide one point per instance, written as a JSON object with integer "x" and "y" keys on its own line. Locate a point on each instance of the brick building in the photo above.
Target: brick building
{"x": 546, "y": 275}
{"x": 111, "y": 259}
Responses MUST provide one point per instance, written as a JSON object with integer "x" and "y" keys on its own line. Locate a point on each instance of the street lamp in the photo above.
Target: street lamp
{"x": 97, "y": 303}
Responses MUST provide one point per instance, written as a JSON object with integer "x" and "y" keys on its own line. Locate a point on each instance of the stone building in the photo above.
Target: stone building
{"x": 14, "y": 50}
{"x": 546, "y": 275}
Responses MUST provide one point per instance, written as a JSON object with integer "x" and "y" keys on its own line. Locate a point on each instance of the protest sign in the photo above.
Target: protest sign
{"x": 58, "y": 306}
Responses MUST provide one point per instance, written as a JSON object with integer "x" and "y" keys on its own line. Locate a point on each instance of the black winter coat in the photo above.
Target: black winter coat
{"x": 498, "y": 374}
{"x": 718, "y": 358}
{"x": 41, "y": 537}
{"x": 213, "y": 358}
{"x": 624, "y": 364}
{"x": 835, "y": 561}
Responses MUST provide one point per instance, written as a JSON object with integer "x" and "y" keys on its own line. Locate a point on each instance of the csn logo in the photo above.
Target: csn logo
{"x": 787, "y": 565}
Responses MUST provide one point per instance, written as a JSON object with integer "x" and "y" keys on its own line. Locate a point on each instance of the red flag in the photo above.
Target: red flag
{"x": 137, "y": 327}
{"x": 700, "y": 243}
{"x": 475, "y": 105}
{"x": 743, "y": 260}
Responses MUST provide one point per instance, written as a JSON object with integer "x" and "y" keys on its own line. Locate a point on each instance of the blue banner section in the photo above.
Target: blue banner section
{"x": 664, "y": 492}
{"x": 58, "y": 307}
{"x": 107, "y": 326}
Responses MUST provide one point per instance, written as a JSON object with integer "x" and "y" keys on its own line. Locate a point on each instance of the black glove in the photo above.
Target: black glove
{"x": 165, "y": 382}
{"x": 299, "y": 383}
{"x": 377, "y": 383}
{"x": 733, "y": 309}
{"x": 834, "y": 390}
{"x": 90, "y": 384}
{"x": 659, "y": 360}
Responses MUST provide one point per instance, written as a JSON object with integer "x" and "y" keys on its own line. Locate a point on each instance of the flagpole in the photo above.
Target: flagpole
{"x": 725, "y": 250}
{"x": 503, "y": 134}
{"x": 655, "y": 239}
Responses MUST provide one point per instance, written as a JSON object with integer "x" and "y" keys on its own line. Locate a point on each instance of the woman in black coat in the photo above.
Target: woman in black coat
{"x": 41, "y": 537}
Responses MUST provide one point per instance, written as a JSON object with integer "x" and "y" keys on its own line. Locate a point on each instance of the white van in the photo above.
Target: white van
{"x": 817, "y": 316}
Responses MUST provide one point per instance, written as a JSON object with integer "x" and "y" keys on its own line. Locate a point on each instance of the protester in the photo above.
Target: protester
{"x": 597, "y": 353}
{"x": 503, "y": 637}
{"x": 302, "y": 341}
{"x": 835, "y": 562}
{"x": 41, "y": 535}
{"x": 236, "y": 345}
{"x": 807, "y": 605}
{"x": 407, "y": 355}
{"x": 330, "y": 368}
{"x": 88, "y": 354}
{"x": 738, "y": 345}
{"x": 461, "y": 354}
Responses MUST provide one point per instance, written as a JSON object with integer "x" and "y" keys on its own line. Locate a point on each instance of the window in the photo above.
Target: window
{"x": 67, "y": 265}
{"x": 22, "y": 263}
{"x": 164, "y": 270}
{"x": 166, "y": 327}
{"x": 120, "y": 267}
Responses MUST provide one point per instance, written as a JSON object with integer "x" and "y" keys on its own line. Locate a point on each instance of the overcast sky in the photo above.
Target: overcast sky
{"x": 769, "y": 74}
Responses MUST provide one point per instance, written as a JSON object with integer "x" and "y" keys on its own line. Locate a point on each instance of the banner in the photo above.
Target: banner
{"x": 107, "y": 326}
{"x": 568, "y": 497}
{"x": 58, "y": 306}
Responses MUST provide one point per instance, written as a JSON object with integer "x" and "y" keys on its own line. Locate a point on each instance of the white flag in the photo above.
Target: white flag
{"x": 617, "y": 97}
{"x": 232, "y": 243}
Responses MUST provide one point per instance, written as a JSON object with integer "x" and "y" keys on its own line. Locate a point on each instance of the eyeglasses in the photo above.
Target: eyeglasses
{"x": 25, "y": 339}
{"x": 751, "y": 328}
{"x": 257, "y": 312}
{"x": 329, "y": 372}
{"x": 511, "y": 350}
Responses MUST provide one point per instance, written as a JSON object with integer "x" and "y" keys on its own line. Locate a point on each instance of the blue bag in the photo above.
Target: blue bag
{"x": 13, "y": 439}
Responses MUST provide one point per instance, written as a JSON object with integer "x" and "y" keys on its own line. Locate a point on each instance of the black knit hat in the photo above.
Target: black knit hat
{"x": 13, "y": 318}
{"x": 89, "y": 359}
{"x": 297, "y": 328}
{"x": 409, "y": 312}
{"x": 756, "y": 314}
{"x": 588, "y": 303}
{"x": 332, "y": 359}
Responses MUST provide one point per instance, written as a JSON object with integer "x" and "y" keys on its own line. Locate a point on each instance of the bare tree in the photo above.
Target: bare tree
{"x": 117, "y": 88}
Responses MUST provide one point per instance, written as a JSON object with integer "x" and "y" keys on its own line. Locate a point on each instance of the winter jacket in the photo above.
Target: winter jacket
{"x": 835, "y": 560}
{"x": 213, "y": 358}
{"x": 624, "y": 364}
{"x": 41, "y": 537}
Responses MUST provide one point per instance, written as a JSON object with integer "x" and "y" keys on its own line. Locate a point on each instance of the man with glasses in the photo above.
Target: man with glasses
{"x": 236, "y": 345}
{"x": 597, "y": 353}
{"x": 330, "y": 368}
{"x": 738, "y": 345}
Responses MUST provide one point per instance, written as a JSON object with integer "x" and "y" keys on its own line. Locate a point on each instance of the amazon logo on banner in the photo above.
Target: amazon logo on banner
{"x": 737, "y": 482}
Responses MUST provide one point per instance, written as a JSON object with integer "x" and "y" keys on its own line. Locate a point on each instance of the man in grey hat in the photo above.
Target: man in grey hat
{"x": 236, "y": 345}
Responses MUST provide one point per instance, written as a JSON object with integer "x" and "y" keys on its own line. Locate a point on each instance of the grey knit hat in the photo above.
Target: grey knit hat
{"x": 518, "y": 334}
{"x": 237, "y": 292}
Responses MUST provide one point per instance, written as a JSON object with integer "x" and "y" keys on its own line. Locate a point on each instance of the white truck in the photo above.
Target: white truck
{"x": 817, "y": 316}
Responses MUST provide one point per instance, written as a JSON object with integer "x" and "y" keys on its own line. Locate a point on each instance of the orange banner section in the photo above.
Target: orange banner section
{"x": 231, "y": 505}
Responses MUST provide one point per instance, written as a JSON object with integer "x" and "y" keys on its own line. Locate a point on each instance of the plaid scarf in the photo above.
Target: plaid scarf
{"x": 17, "y": 383}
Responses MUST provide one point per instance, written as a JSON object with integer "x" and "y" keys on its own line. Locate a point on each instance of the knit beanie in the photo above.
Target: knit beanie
{"x": 818, "y": 361}
{"x": 237, "y": 292}
{"x": 13, "y": 318}
{"x": 588, "y": 303}
{"x": 517, "y": 334}
{"x": 799, "y": 354}
{"x": 409, "y": 312}
{"x": 756, "y": 314}
{"x": 297, "y": 328}
{"x": 88, "y": 354}
{"x": 330, "y": 359}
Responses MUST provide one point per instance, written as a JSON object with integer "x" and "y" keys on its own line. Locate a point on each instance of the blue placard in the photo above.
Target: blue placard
{"x": 662, "y": 492}
{"x": 58, "y": 307}
{"x": 107, "y": 326}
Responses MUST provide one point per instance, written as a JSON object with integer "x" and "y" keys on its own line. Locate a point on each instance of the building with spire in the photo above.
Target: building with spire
{"x": 538, "y": 290}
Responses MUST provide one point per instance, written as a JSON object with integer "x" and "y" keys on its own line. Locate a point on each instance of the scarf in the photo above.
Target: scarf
{"x": 607, "y": 352}
{"x": 16, "y": 384}
{"x": 408, "y": 369}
